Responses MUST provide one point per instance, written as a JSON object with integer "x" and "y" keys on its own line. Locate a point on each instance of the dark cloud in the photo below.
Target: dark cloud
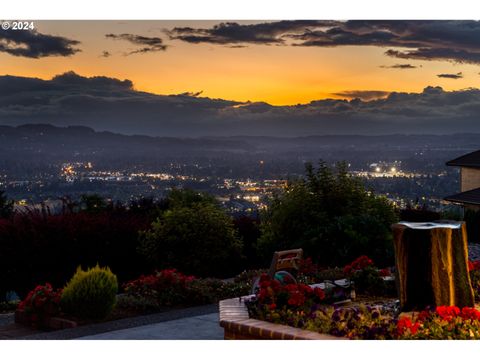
{"x": 150, "y": 44}
{"x": 193, "y": 94}
{"x": 231, "y": 33}
{"x": 399, "y": 66}
{"x": 451, "y": 76}
{"x": 111, "y": 104}
{"x": 32, "y": 44}
{"x": 362, "y": 94}
{"x": 105, "y": 54}
{"x": 455, "y": 55}
{"x": 455, "y": 40}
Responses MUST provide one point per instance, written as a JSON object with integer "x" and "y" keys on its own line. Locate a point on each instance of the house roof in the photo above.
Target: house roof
{"x": 471, "y": 197}
{"x": 468, "y": 160}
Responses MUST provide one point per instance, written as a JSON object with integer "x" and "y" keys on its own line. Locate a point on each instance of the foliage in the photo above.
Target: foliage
{"x": 248, "y": 229}
{"x": 368, "y": 278}
{"x": 90, "y": 294}
{"x": 6, "y": 206}
{"x": 418, "y": 214}
{"x": 329, "y": 274}
{"x": 8, "y": 306}
{"x": 298, "y": 306}
{"x": 168, "y": 287}
{"x": 474, "y": 268}
{"x": 40, "y": 304}
{"x": 36, "y": 247}
{"x": 361, "y": 263}
{"x": 249, "y": 276}
{"x": 445, "y": 322}
{"x": 172, "y": 288}
{"x": 198, "y": 239}
{"x": 272, "y": 294}
{"x": 187, "y": 198}
{"x": 331, "y": 216}
{"x": 93, "y": 203}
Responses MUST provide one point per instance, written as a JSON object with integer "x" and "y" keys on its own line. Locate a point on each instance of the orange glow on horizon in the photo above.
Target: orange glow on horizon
{"x": 278, "y": 75}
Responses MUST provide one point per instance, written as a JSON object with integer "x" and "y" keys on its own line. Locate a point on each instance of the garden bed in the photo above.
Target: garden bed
{"x": 238, "y": 326}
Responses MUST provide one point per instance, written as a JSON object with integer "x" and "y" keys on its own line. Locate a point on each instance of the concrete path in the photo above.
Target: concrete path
{"x": 202, "y": 327}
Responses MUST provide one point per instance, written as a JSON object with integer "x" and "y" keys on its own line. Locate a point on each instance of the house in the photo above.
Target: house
{"x": 469, "y": 197}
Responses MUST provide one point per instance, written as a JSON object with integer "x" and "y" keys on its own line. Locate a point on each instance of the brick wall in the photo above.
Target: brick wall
{"x": 238, "y": 326}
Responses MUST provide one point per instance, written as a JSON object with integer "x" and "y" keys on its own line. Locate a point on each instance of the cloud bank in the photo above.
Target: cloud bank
{"x": 456, "y": 40}
{"x": 111, "y": 104}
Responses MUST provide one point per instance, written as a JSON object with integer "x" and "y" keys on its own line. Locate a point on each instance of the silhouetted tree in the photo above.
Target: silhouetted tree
{"x": 194, "y": 236}
{"x": 331, "y": 216}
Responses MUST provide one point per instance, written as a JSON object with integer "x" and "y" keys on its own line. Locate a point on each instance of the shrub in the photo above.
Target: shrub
{"x": 90, "y": 294}
{"x": 172, "y": 288}
{"x": 199, "y": 239}
{"x": 167, "y": 287}
{"x": 332, "y": 216}
{"x": 36, "y": 247}
{"x": 41, "y": 303}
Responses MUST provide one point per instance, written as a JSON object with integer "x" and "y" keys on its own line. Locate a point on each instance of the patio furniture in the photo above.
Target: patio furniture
{"x": 287, "y": 260}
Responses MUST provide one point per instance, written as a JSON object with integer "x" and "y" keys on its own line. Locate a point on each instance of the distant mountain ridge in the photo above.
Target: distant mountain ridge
{"x": 48, "y": 138}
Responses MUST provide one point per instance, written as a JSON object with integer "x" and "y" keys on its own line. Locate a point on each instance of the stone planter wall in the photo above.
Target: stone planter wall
{"x": 238, "y": 326}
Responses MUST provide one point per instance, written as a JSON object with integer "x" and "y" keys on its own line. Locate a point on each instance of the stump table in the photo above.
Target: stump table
{"x": 432, "y": 264}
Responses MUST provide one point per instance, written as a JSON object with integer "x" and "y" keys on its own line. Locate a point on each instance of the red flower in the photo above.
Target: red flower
{"x": 348, "y": 270}
{"x": 470, "y": 313}
{"x": 319, "y": 293}
{"x": 422, "y": 316}
{"x": 273, "y": 306}
{"x": 307, "y": 267}
{"x": 296, "y": 294}
{"x": 384, "y": 272}
{"x": 358, "y": 264}
{"x": 447, "y": 312}
{"x": 473, "y": 265}
{"x": 405, "y": 323}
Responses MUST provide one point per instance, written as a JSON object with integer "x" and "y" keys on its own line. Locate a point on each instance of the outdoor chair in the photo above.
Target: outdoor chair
{"x": 287, "y": 260}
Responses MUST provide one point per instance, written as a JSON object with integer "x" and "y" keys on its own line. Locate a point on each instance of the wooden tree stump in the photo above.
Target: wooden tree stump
{"x": 432, "y": 264}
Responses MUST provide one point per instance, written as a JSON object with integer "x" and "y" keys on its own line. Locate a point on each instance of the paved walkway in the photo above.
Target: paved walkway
{"x": 202, "y": 327}
{"x": 200, "y": 322}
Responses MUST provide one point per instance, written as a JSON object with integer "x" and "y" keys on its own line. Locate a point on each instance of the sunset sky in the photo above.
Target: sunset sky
{"x": 275, "y": 78}
{"x": 268, "y": 68}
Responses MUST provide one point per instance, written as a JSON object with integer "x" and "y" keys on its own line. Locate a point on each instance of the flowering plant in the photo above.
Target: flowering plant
{"x": 358, "y": 264}
{"x": 41, "y": 303}
{"x": 474, "y": 268}
{"x": 167, "y": 287}
{"x": 368, "y": 279}
{"x": 473, "y": 265}
{"x": 443, "y": 322}
{"x": 384, "y": 272}
{"x": 172, "y": 288}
